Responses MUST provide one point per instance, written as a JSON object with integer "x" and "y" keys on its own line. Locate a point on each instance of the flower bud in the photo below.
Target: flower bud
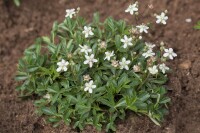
{"x": 136, "y": 68}
{"x": 86, "y": 77}
{"x": 115, "y": 63}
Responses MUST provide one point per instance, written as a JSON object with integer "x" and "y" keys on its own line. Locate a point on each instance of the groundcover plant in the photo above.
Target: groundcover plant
{"x": 93, "y": 73}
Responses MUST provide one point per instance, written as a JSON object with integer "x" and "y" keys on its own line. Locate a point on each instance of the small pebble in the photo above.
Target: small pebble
{"x": 185, "y": 65}
{"x": 188, "y": 20}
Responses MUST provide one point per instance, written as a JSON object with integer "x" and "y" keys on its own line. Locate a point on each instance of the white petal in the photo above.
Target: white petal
{"x": 166, "y": 50}
{"x": 86, "y": 62}
{"x": 86, "y": 88}
{"x": 171, "y": 57}
{"x": 174, "y": 54}
{"x": 59, "y": 69}
{"x": 128, "y": 62}
{"x": 85, "y": 28}
{"x": 90, "y": 64}
{"x": 122, "y": 40}
{"x": 59, "y": 63}
{"x": 91, "y": 33}
{"x": 63, "y": 61}
{"x": 66, "y": 63}
{"x": 64, "y": 68}
{"x": 166, "y": 54}
{"x": 125, "y": 46}
{"x": 125, "y": 37}
{"x": 95, "y": 60}
{"x": 86, "y": 35}
{"x": 158, "y": 21}
{"x": 87, "y": 57}
{"x": 126, "y": 67}
{"x": 93, "y": 86}
{"x": 91, "y": 82}
{"x": 90, "y": 90}
{"x": 130, "y": 44}
{"x": 170, "y": 50}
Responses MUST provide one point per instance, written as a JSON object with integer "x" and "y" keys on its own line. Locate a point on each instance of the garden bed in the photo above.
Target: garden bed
{"x": 20, "y": 26}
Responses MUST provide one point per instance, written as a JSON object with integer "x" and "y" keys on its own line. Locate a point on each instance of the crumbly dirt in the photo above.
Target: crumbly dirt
{"x": 20, "y": 26}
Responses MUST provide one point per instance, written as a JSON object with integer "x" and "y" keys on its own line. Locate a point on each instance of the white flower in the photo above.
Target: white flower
{"x": 109, "y": 55}
{"x": 163, "y": 68}
{"x": 85, "y": 49}
{"x": 70, "y": 13}
{"x": 127, "y": 41}
{"x": 149, "y": 53}
{"x": 62, "y": 65}
{"x": 89, "y": 86}
{"x": 149, "y": 45}
{"x": 124, "y": 64}
{"x": 153, "y": 70}
{"x": 90, "y": 60}
{"x": 169, "y": 53}
{"x": 143, "y": 28}
{"x": 132, "y": 8}
{"x": 87, "y": 31}
{"x": 162, "y": 18}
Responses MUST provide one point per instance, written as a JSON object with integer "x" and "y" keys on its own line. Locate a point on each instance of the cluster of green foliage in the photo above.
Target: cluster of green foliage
{"x": 117, "y": 91}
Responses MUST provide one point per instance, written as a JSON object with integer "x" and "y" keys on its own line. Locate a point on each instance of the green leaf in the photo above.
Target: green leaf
{"x": 32, "y": 68}
{"x": 133, "y": 108}
{"x": 52, "y": 48}
{"x": 54, "y": 31}
{"x": 69, "y": 45}
{"x": 17, "y": 2}
{"x": 106, "y": 102}
{"x": 54, "y": 88}
{"x": 46, "y": 40}
{"x": 96, "y": 18}
{"x": 21, "y": 76}
{"x": 197, "y": 26}
{"x": 165, "y": 100}
{"x": 121, "y": 103}
{"x": 144, "y": 96}
{"x": 121, "y": 26}
{"x": 55, "y": 98}
{"x": 118, "y": 42}
{"x": 54, "y": 119}
{"x": 49, "y": 111}
{"x": 153, "y": 119}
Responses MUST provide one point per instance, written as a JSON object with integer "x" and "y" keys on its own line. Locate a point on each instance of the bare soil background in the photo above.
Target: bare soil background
{"x": 20, "y": 26}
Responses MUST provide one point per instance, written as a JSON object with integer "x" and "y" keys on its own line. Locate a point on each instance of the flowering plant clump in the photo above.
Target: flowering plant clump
{"x": 93, "y": 73}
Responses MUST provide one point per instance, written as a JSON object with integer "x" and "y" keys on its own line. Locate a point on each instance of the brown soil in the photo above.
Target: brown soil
{"x": 20, "y": 26}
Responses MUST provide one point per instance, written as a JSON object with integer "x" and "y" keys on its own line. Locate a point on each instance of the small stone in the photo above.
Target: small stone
{"x": 188, "y": 20}
{"x": 185, "y": 65}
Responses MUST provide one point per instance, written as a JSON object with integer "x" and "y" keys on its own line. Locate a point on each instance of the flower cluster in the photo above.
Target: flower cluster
{"x": 95, "y": 70}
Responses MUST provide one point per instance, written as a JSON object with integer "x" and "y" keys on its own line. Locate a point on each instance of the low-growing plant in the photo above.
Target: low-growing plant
{"x": 93, "y": 73}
